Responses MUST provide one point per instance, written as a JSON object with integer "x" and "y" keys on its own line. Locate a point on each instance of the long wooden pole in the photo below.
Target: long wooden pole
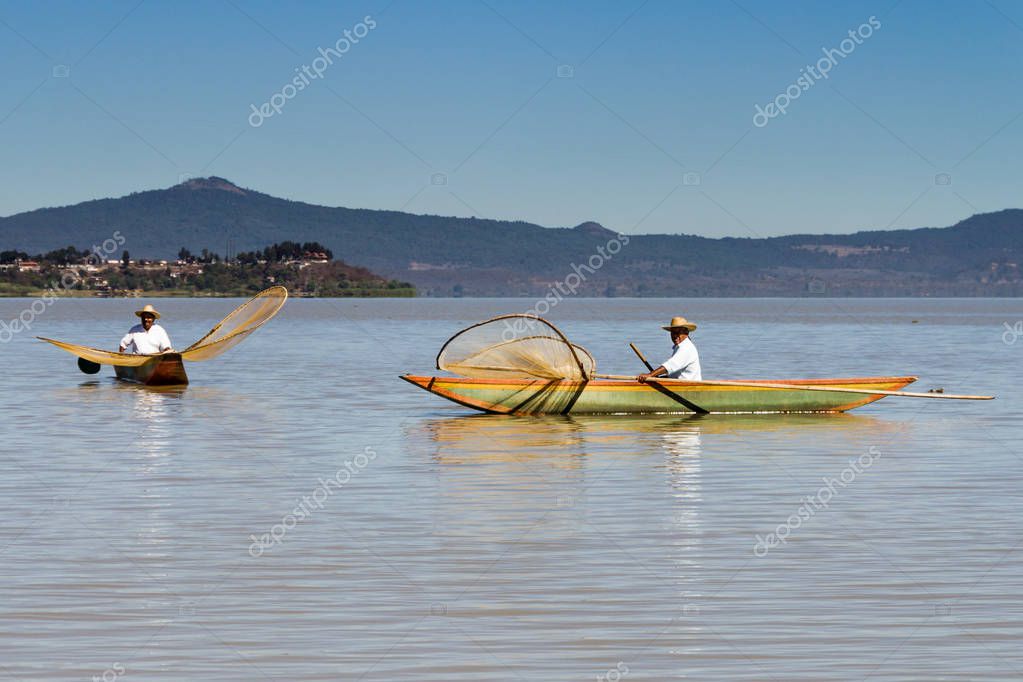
{"x": 799, "y": 387}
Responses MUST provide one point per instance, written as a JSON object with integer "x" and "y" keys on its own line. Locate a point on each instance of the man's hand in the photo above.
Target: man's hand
{"x": 642, "y": 378}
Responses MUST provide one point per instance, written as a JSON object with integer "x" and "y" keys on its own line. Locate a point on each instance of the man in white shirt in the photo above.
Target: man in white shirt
{"x": 148, "y": 337}
{"x": 684, "y": 362}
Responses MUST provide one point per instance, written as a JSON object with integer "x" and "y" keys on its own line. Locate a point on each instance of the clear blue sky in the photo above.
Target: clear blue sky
{"x": 466, "y": 93}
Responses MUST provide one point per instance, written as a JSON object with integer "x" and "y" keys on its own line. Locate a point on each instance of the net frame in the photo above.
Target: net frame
{"x": 574, "y": 349}
{"x": 205, "y": 350}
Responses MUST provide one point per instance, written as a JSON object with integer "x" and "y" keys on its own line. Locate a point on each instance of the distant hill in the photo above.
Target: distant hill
{"x": 445, "y": 256}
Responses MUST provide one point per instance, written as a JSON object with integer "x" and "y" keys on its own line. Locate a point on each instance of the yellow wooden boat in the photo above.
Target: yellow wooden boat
{"x": 523, "y": 364}
{"x": 616, "y": 396}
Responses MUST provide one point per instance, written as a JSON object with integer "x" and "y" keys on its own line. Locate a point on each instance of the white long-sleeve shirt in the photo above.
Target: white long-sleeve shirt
{"x": 140, "y": 342}
{"x": 684, "y": 362}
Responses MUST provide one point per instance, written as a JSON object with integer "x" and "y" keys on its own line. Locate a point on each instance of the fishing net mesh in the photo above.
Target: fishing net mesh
{"x": 515, "y": 347}
{"x": 99, "y": 356}
{"x": 234, "y": 328}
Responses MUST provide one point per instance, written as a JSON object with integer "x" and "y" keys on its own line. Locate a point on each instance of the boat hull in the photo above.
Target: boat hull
{"x": 502, "y": 396}
{"x": 165, "y": 370}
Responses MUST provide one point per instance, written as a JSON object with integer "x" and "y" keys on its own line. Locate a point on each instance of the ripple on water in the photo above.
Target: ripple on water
{"x": 474, "y": 547}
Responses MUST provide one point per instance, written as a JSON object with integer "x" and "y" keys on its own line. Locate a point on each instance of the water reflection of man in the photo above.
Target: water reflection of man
{"x": 146, "y": 338}
{"x": 684, "y": 362}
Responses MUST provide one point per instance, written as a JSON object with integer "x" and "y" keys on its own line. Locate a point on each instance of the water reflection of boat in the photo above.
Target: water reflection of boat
{"x": 155, "y": 411}
{"x": 483, "y": 438}
{"x": 564, "y": 439}
{"x": 617, "y": 481}
{"x": 682, "y": 442}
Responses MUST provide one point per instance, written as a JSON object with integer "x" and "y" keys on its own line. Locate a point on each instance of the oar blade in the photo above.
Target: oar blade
{"x": 88, "y": 366}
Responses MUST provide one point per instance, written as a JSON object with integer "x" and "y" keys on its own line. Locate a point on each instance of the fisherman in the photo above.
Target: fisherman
{"x": 684, "y": 362}
{"x": 148, "y": 337}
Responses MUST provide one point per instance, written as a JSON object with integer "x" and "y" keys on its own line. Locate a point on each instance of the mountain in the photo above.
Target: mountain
{"x": 445, "y": 256}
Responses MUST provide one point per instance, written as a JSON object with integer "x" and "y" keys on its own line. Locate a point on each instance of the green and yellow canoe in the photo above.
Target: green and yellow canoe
{"x": 612, "y": 396}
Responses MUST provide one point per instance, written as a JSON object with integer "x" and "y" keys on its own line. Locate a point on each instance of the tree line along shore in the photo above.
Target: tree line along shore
{"x": 306, "y": 269}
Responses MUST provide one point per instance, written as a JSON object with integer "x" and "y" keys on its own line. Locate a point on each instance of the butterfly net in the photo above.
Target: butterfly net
{"x": 515, "y": 347}
{"x": 234, "y": 328}
{"x": 100, "y": 356}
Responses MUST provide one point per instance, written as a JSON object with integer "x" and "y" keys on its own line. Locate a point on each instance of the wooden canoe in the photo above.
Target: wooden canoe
{"x": 166, "y": 369}
{"x": 161, "y": 370}
{"x": 609, "y": 396}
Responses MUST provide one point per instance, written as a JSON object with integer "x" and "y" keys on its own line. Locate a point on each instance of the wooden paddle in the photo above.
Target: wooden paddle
{"x": 88, "y": 366}
{"x": 649, "y": 367}
{"x": 800, "y": 387}
{"x": 671, "y": 394}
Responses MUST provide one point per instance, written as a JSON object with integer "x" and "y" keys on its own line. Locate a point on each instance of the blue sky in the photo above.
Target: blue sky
{"x": 457, "y": 108}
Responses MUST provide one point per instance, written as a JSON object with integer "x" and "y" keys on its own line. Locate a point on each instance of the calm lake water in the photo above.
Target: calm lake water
{"x": 461, "y": 547}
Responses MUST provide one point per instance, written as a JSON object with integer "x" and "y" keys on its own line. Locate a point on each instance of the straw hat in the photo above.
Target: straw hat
{"x": 152, "y": 311}
{"x": 679, "y": 322}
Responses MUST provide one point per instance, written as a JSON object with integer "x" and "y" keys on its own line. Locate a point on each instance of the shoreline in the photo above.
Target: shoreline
{"x": 179, "y": 293}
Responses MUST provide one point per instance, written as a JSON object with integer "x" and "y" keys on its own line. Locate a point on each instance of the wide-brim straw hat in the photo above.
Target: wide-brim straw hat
{"x": 679, "y": 323}
{"x": 148, "y": 309}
